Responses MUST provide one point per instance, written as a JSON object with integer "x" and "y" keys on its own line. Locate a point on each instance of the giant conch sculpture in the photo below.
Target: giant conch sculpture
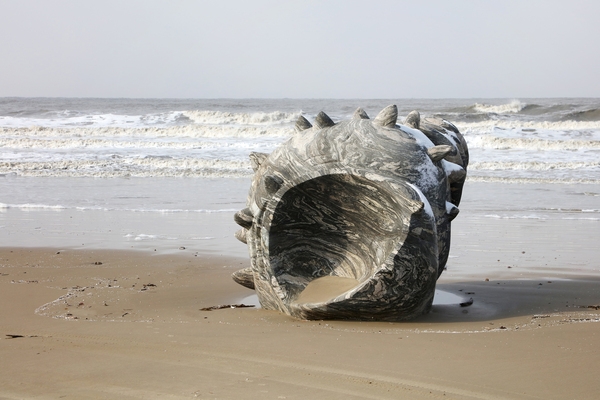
{"x": 351, "y": 220}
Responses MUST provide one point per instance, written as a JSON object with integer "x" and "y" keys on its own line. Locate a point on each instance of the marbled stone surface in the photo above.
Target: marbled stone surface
{"x": 351, "y": 220}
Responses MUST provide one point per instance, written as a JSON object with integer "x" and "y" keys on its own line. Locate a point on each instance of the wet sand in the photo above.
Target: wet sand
{"x": 99, "y": 324}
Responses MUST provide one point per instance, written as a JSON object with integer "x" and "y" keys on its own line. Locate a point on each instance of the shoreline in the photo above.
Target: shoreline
{"x": 502, "y": 231}
{"x": 136, "y": 330}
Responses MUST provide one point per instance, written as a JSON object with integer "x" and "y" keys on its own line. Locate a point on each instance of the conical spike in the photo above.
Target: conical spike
{"x": 433, "y": 121}
{"x": 256, "y": 159}
{"x": 272, "y": 183}
{"x": 434, "y": 135}
{"x": 302, "y": 124}
{"x": 244, "y": 218}
{"x": 323, "y": 120}
{"x": 360, "y": 114}
{"x": 436, "y": 153}
{"x": 241, "y": 235}
{"x": 244, "y": 277}
{"x": 457, "y": 175}
{"x": 451, "y": 211}
{"x": 413, "y": 119}
{"x": 450, "y": 126}
{"x": 387, "y": 117}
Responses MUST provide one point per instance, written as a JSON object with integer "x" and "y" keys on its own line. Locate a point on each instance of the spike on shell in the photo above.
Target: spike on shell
{"x": 323, "y": 120}
{"x": 256, "y": 159}
{"x": 387, "y": 117}
{"x": 302, "y": 124}
{"x": 244, "y": 218}
{"x": 272, "y": 183}
{"x": 457, "y": 175}
{"x": 360, "y": 114}
{"x": 413, "y": 119}
{"x": 244, "y": 277}
{"x": 241, "y": 235}
{"x": 450, "y": 126}
{"x": 451, "y": 210}
{"x": 436, "y": 153}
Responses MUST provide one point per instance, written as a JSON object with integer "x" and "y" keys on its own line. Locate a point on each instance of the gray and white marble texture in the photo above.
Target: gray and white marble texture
{"x": 351, "y": 220}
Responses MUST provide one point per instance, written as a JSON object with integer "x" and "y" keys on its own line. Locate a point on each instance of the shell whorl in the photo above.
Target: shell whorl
{"x": 342, "y": 199}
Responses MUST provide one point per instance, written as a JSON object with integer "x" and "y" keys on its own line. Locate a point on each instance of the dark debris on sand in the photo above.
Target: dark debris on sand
{"x": 226, "y": 306}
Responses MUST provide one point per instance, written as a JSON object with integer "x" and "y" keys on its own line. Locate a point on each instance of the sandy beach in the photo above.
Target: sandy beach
{"x": 129, "y": 324}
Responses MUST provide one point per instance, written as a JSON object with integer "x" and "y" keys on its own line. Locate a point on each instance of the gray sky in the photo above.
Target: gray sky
{"x": 300, "y": 49}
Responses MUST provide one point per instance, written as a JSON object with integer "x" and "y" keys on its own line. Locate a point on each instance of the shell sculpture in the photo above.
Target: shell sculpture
{"x": 351, "y": 220}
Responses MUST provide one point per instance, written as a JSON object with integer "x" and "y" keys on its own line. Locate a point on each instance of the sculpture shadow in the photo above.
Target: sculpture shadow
{"x": 498, "y": 299}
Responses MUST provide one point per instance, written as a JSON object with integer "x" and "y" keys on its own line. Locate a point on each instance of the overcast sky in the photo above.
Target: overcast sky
{"x": 300, "y": 49}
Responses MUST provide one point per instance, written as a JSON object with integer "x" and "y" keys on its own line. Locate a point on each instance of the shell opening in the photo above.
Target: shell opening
{"x": 343, "y": 226}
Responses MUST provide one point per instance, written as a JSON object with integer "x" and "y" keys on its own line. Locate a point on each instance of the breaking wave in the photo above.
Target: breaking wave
{"x": 75, "y": 143}
{"x": 533, "y": 166}
{"x": 503, "y": 143}
{"x": 564, "y": 126}
{"x": 514, "y": 106}
{"x": 586, "y": 115}
{"x": 229, "y": 118}
{"x": 185, "y": 131}
{"x": 39, "y": 207}
{"x": 131, "y": 167}
{"x": 531, "y": 180}
{"x": 29, "y": 206}
{"x": 548, "y": 138}
{"x": 199, "y": 117}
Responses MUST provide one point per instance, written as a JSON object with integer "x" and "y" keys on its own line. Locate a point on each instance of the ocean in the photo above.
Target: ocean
{"x": 170, "y": 173}
{"x": 530, "y": 140}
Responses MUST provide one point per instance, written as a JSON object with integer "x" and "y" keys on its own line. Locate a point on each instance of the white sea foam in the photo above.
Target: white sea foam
{"x": 28, "y": 206}
{"x": 513, "y": 107}
{"x": 534, "y": 166}
{"x": 98, "y": 138}
{"x": 146, "y": 237}
{"x": 518, "y": 125}
{"x": 201, "y": 117}
{"x": 533, "y": 180}
{"x": 100, "y": 143}
{"x": 172, "y": 211}
{"x": 134, "y": 167}
{"x": 93, "y": 120}
{"x": 229, "y": 118}
{"x": 531, "y": 216}
{"x": 540, "y": 217}
{"x": 184, "y": 131}
{"x": 504, "y": 143}
{"x": 57, "y": 207}
{"x": 143, "y": 236}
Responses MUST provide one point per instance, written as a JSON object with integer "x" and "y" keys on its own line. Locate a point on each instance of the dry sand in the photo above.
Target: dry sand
{"x": 84, "y": 324}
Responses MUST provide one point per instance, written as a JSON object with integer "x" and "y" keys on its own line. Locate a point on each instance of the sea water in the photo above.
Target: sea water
{"x": 170, "y": 173}
{"x": 540, "y": 140}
